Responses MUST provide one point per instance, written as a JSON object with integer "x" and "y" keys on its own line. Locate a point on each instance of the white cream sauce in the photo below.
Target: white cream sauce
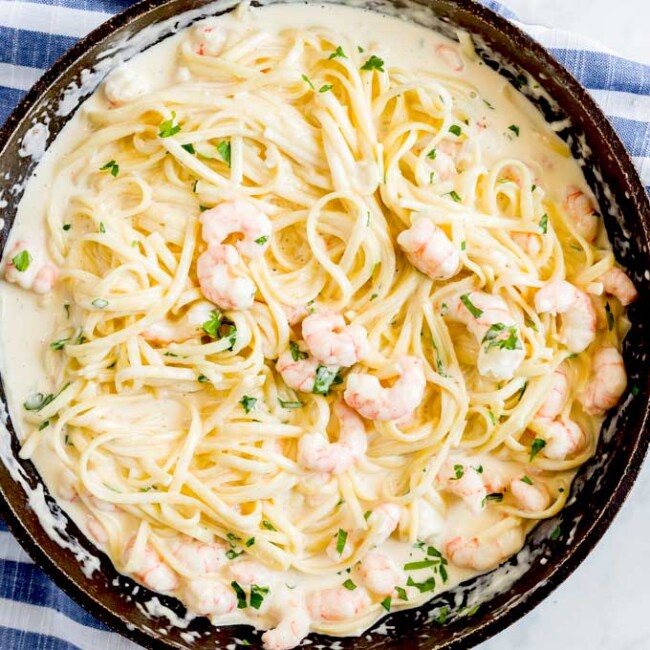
{"x": 28, "y": 322}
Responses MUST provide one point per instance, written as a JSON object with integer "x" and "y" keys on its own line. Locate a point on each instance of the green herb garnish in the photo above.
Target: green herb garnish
{"x": 475, "y": 311}
{"x": 112, "y": 167}
{"x": 537, "y": 446}
{"x": 324, "y": 379}
{"x": 373, "y": 63}
{"x": 168, "y": 128}
{"x": 190, "y": 149}
{"x": 610, "y": 317}
{"x": 341, "y": 539}
{"x": 515, "y": 129}
{"x": 240, "y": 593}
{"x": 224, "y": 151}
{"x": 248, "y": 403}
{"x": 543, "y": 223}
{"x": 455, "y": 129}
{"x": 459, "y": 471}
{"x": 257, "y": 596}
{"x": 338, "y": 52}
{"x": 527, "y": 480}
{"x": 386, "y": 603}
{"x": 22, "y": 261}
{"x": 349, "y": 585}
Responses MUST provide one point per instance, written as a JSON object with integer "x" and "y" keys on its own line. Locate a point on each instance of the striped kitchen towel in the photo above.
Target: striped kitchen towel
{"x": 34, "y": 613}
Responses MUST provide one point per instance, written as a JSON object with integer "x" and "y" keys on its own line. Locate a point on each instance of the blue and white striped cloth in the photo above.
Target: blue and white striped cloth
{"x": 34, "y": 613}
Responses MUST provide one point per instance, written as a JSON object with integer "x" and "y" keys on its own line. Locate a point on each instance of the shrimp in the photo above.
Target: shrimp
{"x": 295, "y": 314}
{"x": 37, "y": 277}
{"x": 488, "y": 318}
{"x": 333, "y": 342}
{"x": 300, "y": 374}
{"x": 530, "y": 496}
{"x": 428, "y": 248}
{"x": 563, "y": 438}
{"x": 316, "y": 453}
{"x": 451, "y": 57}
{"x": 384, "y": 520}
{"x": 379, "y": 573}
{"x": 366, "y": 395}
{"x": 197, "y": 557}
{"x": 152, "y": 572}
{"x": 557, "y": 396}
{"x": 607, "y": 383}
{"x": 582, "y": 212}
{"x": 211, "y": 40}
{"x": 469, "y": 485}
{"x": 216, "y": 266}
{"x": 530, "y": 243}
{"x": 207, "y": 596}
{"x": 177, "y": 331}
{"x": 578, "y": 313}
{"x": 339, "y": 555}
{"x": 481, "y": 554}
{"x": 291, "y": 630}
{"x": 249, "y": 572}
{"x": 617, "y": 283}
{"x": 97, "y": 530}
{"x": 338, "y": 603}
{"x": 443, "y": 159}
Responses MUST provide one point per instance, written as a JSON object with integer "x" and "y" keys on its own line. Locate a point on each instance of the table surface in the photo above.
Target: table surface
{"x": 603, "y": 605}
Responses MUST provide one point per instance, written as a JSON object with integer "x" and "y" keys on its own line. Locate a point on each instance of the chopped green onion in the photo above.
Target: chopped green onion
{"x": 543, "y": 223}
{"x": 250, "y": 542}
{"x": 257, "y": 596}
{"x": 112, "y": 167}
{"x": 325, "y": 87}
{"x": 475, "y": 311}
{"x": 262, "y": 240}
{"x": 190, "y": 149}
{"x": 422, "y": 564}
{"x": 22, "y": 261}
{"x": 341, "y": 538}
{"x": 296, "y": 353}
{"x": 168, "y": 128}
{"x": 202, "y": 379}
{"x": 349, "y": 585}
{"x": 307, "y": 80}
{"x": 536, "y": 447}
{"x": 240, "y": 593}
{"x": 459, "y": 470}
{"x": 268, "y": 525}
{"x": 248, "y": 403}
{"x": 386, "y": 603}
{"x": 324, "y": 379}
{"x": 455, "y": 129}
{"x": 99, "y": 303}
{"x": 224, "y": 151}
{"x": 515, "y": 129}
{"x": 610, "y": 317}
{"x": 289, "y": 404}
{"x": 527, "y": 480}
{"x": 432, "y": 154}
{"x": 401, "y": 592}
{"x": 455, "y": 196}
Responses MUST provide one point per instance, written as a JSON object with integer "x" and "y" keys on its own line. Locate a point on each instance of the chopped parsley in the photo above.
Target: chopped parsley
{"x": 257, "y": 596}
{"x": 341, "y": 539}
{"x": 422, "y": 587}
{"x": 250, "y": 542}
{"x": 374, "y": 63}
{"x": 190, "y": 149}
{"x": 44, "y": 425}
{"x": 543, "y": 223}
{"x": 22, "y": 261}
{"x": 422, "y": 564}
{"x": 514, "y": 128}
{"x": 536, "y": 447}
{"x": 459, "y": 471}
{"x": 168, "y": 128}
{"x": 401, "y": 592}
{"x": 59, "y": 344}
{"x": 511, "y": 342}
{"x": 455, "y": 196}
{"x": 248, "y": 403}
{"x": 527, "y": 480}
{"x": 240, "y": 593}
{"x": 202, "y": 379}
{"x": 325, "y": 87}
{"x": 296, "y": 353}
{"x": 268, "y": 525}
{"x": 432, "y": 154}
{"x": 497, "y": 497}
{"x": 67, "y": 226}
{"x": 455, "y": 129}
{"x": 367, "y": 514}
{"x": 224, "y": 151}
{"x": 522, "y": 390}
{"x": 610, "y": 317}
{"x": 324, "y": 379}
{"x": 99, "y": 303}
{"x": 289, "y": 404}
{"x": 231, "y": 554}
{"x": 307, "y": 80}
{"x": 556, "y": 534}
{"x": 112, "y": 167}
{"x": 262, "y": 240}
{"x": 443, "y": 613}
{"x": 211, "y": 327}
{"x": 475, "y": 311}
{"x": 40, "y": 401}
{"x": 386, "y": 603}
{"x": 349, "y": 585}
{"x": 338, "y": 52}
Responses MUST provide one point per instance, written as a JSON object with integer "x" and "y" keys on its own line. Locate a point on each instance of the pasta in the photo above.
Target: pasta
{"x": 332, "y": 334}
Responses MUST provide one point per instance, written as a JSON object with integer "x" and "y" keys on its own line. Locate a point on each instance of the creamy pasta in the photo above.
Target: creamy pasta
{"x": 332, "y": 319}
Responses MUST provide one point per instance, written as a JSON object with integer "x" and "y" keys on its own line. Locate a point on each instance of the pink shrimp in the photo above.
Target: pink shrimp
{"x": 583, "y": 213}
{"x": 451, "y": 57}
{"x": 617, "y": 283}
{"x": 97, "y": 530}
{"x": 210, "y": 40}
{"x": 428, "y": 248}
{"x": 607, "y": 383}
{"x": 250, "y": 572}
{"x": 151, "y": 571}
{"x": 337, "y": 554}
{"x": 530, "y": 243}
{"x": 197, "y": 557}
{"x": 384, "y": 519}
{"x": 292, "y": 628}
{"x": 182, "y": 329}
{"x": 220, "y": 281}
{"x": 530, "y": 495}
{"x": 338, "y": 603}
{"x": 333, "y": 342}
{"x": 557, "y": 396}
{"x": 484, "y": 554}
{"x": 300, "y": 373}
{"x": 295, "y": 314}
{"x": 443, "y": 159}
{"x": 488, "y": 318}
{"x": 465, "y": 483}
{"x": 366, "y": 395}
{"x": 37, "y": 277}
{"x": 578, "y": 313}
{"x": 208, "y": 596}
{"x": 316, "y": 453}
{"x": 563, "y": 438}
{"x": 379, "y": 574}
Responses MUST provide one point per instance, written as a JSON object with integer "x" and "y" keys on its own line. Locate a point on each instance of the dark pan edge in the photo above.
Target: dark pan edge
{"x": 577, "y": 552}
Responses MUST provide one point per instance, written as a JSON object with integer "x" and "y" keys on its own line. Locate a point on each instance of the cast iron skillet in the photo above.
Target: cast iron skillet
{"x": 602, "y": 484}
